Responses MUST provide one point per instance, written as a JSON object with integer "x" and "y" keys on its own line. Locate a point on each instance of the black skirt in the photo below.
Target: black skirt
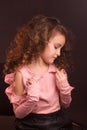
{"x": 53, "y": 121}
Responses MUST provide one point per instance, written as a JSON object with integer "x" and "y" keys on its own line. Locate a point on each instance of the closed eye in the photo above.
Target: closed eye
{"x": 57, "y": 47}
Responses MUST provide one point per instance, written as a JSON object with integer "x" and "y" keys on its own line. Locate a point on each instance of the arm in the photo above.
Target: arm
{"x": 63, "y": 87}
{"x": 18, "y": 87}
{"x": 25, "y": 106}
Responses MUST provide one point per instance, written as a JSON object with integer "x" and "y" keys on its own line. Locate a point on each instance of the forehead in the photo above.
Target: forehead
{"x": 57, "y": 38}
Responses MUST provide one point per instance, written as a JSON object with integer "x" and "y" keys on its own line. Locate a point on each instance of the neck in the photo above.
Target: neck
{"x": 38, "y": 67}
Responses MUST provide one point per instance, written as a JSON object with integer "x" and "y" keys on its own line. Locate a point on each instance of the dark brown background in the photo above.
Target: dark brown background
{"x": 73, "y": 13}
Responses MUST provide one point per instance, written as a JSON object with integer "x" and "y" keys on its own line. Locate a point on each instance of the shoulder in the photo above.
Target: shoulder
{"x": 22, "y": 69}
{"x": 18, "y": 75}
{"x": 23, "y": 74}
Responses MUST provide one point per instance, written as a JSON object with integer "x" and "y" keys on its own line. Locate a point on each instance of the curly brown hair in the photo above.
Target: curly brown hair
{"x": 31, "y": 39}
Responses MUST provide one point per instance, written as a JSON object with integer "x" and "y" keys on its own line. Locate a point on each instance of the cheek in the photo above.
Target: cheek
{"x": 51, "y": 51}
{"x": 48, "y": 51}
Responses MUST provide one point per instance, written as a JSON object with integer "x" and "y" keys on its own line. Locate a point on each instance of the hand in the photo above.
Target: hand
{"x": 61, "y": 76}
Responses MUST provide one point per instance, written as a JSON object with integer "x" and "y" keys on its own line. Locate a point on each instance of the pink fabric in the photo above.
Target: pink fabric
{"x": 45, "y": 97}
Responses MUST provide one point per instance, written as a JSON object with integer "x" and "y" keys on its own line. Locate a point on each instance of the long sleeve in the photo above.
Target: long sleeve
{"x": 31, "y": 100}
{"x": 64, "y": 88}
{"x": 22, "y": 105}
{"x": 65, "y": 93}
{"x": 42, "y": 96}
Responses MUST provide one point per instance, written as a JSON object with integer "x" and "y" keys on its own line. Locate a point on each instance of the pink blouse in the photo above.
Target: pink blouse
{"x": 44, "y": 97}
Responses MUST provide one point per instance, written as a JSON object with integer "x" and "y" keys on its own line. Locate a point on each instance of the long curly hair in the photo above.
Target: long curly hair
{"x": 30, "y": 42}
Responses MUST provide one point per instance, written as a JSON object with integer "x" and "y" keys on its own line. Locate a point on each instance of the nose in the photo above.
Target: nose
{"x": 58, "y": 52}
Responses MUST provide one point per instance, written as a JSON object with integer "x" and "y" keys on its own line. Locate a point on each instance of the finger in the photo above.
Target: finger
{"x": 60, "y": 73}
{"x": 64, "y": 72}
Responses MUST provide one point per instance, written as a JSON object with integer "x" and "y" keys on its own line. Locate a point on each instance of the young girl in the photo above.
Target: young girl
{"x": 36, "y": 70}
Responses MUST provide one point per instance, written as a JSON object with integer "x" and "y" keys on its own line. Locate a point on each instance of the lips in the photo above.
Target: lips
{"x": 55, "y": 57}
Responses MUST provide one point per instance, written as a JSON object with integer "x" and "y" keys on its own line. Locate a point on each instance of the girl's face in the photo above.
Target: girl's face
{"x": 53, "y": 48}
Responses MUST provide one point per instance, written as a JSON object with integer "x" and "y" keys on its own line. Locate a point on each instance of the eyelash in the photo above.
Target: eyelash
{"x": 56, "y": 47}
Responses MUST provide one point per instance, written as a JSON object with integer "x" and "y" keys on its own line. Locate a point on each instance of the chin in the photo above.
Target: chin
{"x": 49, "y": 62}
{"x": 46, "y": 63}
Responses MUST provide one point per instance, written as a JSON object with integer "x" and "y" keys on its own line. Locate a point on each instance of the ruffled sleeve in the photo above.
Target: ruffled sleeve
{"x": 24, "y": 104}
{"x": 14, "y": 99}
{"x": 65, "y": 93}
{"x": 65, "y": 90}
{"x": 9, "y": 79}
